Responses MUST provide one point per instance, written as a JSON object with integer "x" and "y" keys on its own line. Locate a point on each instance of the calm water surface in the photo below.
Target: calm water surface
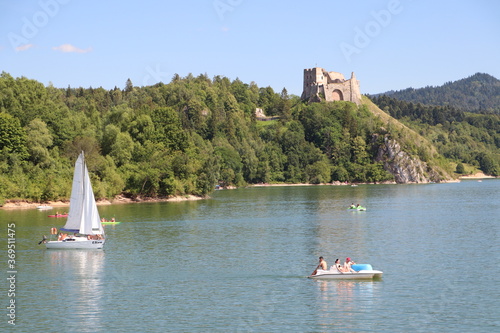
{"x": 239, "y": 262}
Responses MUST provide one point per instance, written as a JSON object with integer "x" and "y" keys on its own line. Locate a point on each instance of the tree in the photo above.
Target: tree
{"x": 207, "y": 177}
{"x": 169, "y": 129}
{"x": 285, "y": 104}
{"x": 230, "y": 163}
{"x": 269, "y": 101}
{"x": 122, "y": 148}
{"x": 88, "y": 145}
{"x": 12, "y": 136}
{"x": 129, "y": 87}
{"x": 111, "y": 131}
{"x": 340, "y": 174}
{"x": 318, "y": 172}
{"x": 359, "y": 154}
{"x": 38, "y": 141}
{"x": 488, "y": 164}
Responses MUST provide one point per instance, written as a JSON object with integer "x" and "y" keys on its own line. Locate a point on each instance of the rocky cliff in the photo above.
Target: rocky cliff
{"x": 405, "y": 168}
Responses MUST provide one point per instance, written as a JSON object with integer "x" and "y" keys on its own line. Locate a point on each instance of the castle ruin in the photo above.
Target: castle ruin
{"x": 321, "y": 85}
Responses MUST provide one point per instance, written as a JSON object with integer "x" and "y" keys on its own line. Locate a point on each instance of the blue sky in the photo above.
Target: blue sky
{"x": 389, "y": 44}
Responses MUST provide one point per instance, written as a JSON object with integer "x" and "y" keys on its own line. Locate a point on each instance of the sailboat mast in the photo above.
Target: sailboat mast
{"x": 83, "y": 217}
{"x": 83, "y": 177}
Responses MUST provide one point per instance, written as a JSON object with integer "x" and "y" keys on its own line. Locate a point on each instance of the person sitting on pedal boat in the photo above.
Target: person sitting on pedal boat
{"x": 347, "y": 266}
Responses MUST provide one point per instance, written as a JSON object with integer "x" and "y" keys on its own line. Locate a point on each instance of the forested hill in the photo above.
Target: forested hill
{"x": 479, "y": 93}
{"x": 186, "y": 136}
{"x": 463, "y": 137}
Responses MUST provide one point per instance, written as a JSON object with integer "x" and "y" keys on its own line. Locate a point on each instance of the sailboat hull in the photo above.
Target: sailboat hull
{"x": 76, "y": 243}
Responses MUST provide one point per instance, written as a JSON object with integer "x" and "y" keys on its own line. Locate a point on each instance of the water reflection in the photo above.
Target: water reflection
{"x": 77, "y": 280}
{"x": 211, "y": 266}
{"x": 341, "y": 302}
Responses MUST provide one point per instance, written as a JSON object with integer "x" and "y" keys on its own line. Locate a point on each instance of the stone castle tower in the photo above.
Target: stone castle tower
{"x": 321, "y": 85}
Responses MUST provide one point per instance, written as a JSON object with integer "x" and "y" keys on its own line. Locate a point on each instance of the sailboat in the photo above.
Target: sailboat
{"x": 83, "y": 221}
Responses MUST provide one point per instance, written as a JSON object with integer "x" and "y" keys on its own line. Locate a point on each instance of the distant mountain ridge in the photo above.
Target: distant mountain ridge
{"x": 479, "y": 93}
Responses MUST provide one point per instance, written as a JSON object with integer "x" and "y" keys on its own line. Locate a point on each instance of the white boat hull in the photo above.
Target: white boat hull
{"x": 76, "y": 243}
{"x": 336, "y": 275}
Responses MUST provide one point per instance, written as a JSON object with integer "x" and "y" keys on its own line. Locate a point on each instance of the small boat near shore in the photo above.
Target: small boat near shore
{"x": 44, "y": 207}
{"x": 58, "y": 215}
{"x": 110, "y": 222}
{"x": 363, "y": 272}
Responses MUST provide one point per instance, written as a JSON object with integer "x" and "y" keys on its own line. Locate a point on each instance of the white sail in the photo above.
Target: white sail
{"x": 83, "y": 215}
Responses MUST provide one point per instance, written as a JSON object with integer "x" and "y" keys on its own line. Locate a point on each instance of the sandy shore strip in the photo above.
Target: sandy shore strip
{"x": 478, "y": 175}
{"x": 20, "y": 204}
{"x": 335, "y": 183}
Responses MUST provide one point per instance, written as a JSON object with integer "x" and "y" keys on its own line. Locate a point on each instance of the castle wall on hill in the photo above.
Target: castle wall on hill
{"x": 321, "y": 85}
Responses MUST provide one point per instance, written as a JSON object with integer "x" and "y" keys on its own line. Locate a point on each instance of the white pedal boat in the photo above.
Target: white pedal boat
{"x": 363, "y": 271}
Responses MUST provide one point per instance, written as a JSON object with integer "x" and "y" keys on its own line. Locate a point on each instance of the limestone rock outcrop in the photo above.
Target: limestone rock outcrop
{"x": 405, "y": 168}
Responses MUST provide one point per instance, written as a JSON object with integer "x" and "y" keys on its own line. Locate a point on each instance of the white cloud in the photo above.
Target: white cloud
{"x": 24, "y": 47}
{"x": 68, "y": 48}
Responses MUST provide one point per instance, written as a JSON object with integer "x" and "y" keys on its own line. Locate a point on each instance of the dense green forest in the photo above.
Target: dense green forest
{"x": 194, "y": 133}
{"x": 179, "y": 138}
{"x": 461, "y": 136}
{"x": 479, "y": 93}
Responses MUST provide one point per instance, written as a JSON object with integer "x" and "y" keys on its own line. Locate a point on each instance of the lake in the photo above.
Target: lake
{"x": 239, "y": 261}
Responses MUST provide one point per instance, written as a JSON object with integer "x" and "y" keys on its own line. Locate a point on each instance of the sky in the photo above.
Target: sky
{"x": 389, "y": 44}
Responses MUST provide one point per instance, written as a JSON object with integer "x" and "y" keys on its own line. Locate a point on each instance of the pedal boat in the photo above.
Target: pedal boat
{"x": 363, "y": 272}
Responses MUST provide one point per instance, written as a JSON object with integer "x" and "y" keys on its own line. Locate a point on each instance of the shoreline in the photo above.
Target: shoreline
{"x": 335, "y": 183}
{"x": 353, "y": 184}
{"x": 478, "y": 175}
{"x": 21, "y": 204}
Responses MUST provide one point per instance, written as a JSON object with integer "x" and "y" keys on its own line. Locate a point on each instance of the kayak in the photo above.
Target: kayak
{"x": 58, "y": 215}
{"x": 110, "y": 222}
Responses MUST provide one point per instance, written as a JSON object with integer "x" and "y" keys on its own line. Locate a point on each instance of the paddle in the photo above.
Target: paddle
{"x": 316, "y": 270}
{"x": 44, "y": 240}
